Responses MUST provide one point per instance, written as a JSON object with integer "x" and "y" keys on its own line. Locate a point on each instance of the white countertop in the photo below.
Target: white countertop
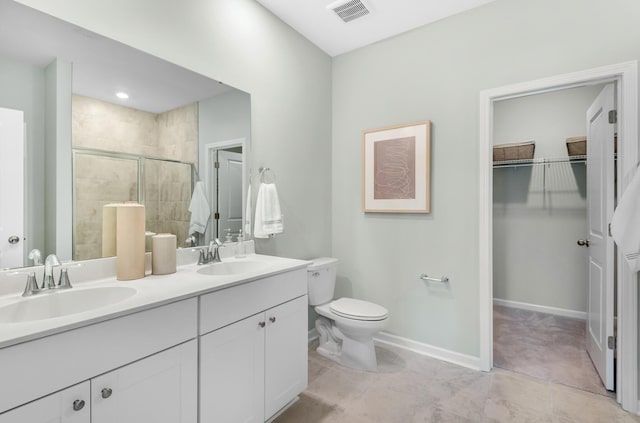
{"x": 152, "y": 291}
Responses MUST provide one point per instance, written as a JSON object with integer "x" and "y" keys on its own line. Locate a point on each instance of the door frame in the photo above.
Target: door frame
{"x": 625, "y": 75}
{"x": 209, "y": 150}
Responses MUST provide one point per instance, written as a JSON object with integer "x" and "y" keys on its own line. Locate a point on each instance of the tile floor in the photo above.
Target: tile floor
{"x": 544, "y": 346}
{"x": 409, "y": 387}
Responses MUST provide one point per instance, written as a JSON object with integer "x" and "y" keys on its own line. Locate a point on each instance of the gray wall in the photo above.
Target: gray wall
{"x": 540, "y": 211}
{"x": 436, "y": 72}
{"x": 245, "y": 46}
{"x": 57, "y": 165}
{"x": 22, "y": 87}
{"x": 223, "y": 118}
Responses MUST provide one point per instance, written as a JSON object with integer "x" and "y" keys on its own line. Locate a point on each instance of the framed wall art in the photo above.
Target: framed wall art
{"x": 396, "y": 169}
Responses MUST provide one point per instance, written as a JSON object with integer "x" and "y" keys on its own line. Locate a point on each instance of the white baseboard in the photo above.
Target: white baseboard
{"x": 463, "y": 360}
{"x": 313, "y": 334}
{"x": 575, "y": 314}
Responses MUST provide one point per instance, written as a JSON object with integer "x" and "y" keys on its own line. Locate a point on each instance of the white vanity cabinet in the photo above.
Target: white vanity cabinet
{"x": 232, "y": 373}
{"x": 252, "y": 365}
{"x": 285, "y": 353}
{"x": 71, "y": 405}
{"x": 141, "y": 347}
{"x": 159, "y": 389}
{"x": 241, "y": 351}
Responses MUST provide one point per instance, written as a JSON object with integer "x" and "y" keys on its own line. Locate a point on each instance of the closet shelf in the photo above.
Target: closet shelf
{"x": 540, "y": 161}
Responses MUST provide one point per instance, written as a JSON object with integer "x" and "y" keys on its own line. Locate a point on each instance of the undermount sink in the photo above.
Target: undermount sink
{"x": 232, "y": 267}
{"x": 63, "y": 303}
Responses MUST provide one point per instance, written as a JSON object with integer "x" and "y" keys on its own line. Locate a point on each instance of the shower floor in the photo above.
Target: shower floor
{"x": 544, "y": 346}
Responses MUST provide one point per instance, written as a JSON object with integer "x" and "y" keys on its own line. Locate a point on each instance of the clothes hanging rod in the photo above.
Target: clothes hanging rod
{"x": 541, "y": 161}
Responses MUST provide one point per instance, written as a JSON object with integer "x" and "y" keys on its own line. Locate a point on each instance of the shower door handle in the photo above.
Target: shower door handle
{"x": 583, "y": 242}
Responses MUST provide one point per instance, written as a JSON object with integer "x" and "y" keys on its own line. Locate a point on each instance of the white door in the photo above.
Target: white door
{"x": 600, "y": 191}
{"x": 162, "y": 388}
{"x": 11, "y": 188}
{"x": 70, "y": 405}
{"x": 286, "y": 349}
{"x": 229, "y": 191}
{"x": 232, "y": 373}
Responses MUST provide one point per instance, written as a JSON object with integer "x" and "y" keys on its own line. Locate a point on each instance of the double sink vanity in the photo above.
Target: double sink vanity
{"x": 223, "y": 342}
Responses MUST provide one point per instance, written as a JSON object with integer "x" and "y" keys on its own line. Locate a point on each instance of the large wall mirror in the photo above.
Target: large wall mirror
{"x": 94, "y": 122}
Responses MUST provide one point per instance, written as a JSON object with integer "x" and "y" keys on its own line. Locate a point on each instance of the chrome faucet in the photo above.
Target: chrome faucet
{"x": 214, "y": 250}
{"x": 210, "y": 254}
{"x": 48, "y": 282}
{"x": 49, "y": 263}
{"x": 36, "y": 256}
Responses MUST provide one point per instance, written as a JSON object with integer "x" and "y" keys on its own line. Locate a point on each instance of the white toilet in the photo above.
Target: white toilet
{"x": 346, "y": 326}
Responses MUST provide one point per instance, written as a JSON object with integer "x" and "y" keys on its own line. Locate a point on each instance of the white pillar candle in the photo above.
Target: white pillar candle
{"x": 163, "y": 256}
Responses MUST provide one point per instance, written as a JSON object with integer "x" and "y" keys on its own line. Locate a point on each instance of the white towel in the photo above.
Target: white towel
{"x": 268, "y": 215}
{"x": 247, "y": 214}
{"x": 625, "y": 225}
{"x": 199, "y": 208}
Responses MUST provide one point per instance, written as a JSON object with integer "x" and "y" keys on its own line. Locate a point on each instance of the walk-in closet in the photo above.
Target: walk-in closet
{"x": 540, "y": 247}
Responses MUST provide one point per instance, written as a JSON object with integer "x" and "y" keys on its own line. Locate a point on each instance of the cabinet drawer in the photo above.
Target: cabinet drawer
{"x": 229, "y": 305}
{"x": 45, "y": 365}
{"x": 71, "y": 405}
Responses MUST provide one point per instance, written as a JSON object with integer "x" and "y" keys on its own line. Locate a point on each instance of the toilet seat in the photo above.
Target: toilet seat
{"x": 351, "y": 308}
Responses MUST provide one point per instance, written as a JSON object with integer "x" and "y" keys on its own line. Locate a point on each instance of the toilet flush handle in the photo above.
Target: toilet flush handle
{"x": 315, "y": 274}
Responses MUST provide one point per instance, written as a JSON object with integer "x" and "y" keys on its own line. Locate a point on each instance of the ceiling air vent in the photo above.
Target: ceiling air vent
{"x": 349, "y": 10}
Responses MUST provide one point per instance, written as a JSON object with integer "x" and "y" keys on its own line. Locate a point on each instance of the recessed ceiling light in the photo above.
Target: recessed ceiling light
{"x": 122, "y": 95}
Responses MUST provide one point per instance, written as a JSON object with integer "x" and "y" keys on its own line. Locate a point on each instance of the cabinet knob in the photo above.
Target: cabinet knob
{"x": 261, "y": 324}
{"x": 272, "y": 319}
{"x": 78, "y": 405}
{"x": 106, "y": 392}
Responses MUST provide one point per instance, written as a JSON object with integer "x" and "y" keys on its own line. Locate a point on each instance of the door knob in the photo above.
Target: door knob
{"x": 78, "y": 405}
{"x": 272, "y": 319}
{"x": 583, "y": 242}
{"x": 106, "y": 392}
{"x": 14, "y": 239}
{"x": 261, "y": 324}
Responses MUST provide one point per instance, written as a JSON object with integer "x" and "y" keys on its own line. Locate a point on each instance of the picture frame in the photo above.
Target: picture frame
{"x": 396, "y": 169}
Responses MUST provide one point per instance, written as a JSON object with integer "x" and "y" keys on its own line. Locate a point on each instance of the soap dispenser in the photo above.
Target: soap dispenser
{"x": 240, "y": 251}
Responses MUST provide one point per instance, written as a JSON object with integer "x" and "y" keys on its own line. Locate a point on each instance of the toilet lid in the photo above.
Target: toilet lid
{"x": 358, "y": 309}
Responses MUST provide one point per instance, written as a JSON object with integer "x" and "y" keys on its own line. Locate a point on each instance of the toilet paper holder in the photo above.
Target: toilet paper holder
{"x": 426, "y": 277}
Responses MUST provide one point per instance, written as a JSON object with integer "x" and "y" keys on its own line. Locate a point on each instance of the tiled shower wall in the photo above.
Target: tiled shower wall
{"x": 101, "y": 180}
{"x": 167, "y": 194}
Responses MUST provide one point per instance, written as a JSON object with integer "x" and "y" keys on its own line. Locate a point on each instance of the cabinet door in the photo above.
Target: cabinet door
{"x": 286, "y": 352}
{"x": 70, "y": 405}
{"x": 232, "y": 373}
{"x": 161, "y": 388}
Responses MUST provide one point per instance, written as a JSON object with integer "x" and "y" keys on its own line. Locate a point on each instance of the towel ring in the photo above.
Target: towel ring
{"x": 265, "y": 173}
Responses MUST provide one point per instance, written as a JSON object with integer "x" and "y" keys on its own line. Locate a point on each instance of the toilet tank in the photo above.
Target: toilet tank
{"x": 321, "y": 280}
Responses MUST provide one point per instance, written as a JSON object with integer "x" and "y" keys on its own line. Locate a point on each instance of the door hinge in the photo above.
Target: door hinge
{"x": 613, "y": 116}
{"x": 216, "y": 165}
{"x": 216, "y": 216}
{"x": 611, "y": 342}
{"x": 610, "y": 229}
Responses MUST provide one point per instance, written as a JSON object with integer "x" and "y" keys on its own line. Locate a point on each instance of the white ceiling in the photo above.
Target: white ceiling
{"x": 324, "y": 28}
{"x": 101, "y": 66}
